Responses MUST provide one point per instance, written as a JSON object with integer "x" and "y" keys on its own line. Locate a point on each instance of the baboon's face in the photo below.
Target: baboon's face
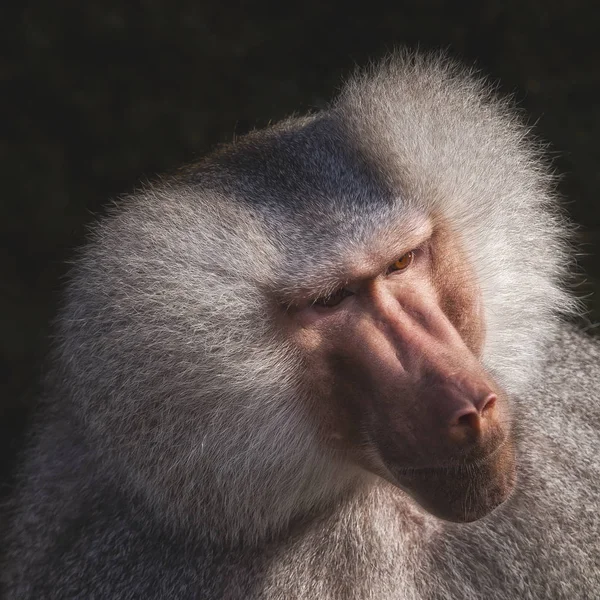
{"x": 395, "y": 358}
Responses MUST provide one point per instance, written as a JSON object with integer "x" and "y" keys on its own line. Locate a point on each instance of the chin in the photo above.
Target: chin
{"x": 464, "y": 492}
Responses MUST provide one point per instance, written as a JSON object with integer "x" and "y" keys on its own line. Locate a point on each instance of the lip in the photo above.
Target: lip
{"x": 472, "y": 462}
{"x": 458, "y": 466}
{"x": 463, "y": 491}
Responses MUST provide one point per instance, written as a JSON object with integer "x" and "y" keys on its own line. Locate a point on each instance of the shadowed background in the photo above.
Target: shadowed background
{"x": 97, "y": 96}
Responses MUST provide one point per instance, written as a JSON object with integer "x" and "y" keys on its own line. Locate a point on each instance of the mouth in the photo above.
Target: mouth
{"x": 465, "y": 491}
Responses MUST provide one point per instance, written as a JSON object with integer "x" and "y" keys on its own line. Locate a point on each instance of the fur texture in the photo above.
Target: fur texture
{"x": 174, "y": 455}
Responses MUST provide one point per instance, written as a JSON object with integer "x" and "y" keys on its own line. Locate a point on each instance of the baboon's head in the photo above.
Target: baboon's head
{"x": 346, "y": 297}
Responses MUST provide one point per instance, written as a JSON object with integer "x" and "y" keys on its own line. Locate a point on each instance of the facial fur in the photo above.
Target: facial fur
{"x": 197, "y": 285}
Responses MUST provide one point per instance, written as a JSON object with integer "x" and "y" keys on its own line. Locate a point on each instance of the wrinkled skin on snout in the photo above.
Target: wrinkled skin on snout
{"x": 396, "y": 355}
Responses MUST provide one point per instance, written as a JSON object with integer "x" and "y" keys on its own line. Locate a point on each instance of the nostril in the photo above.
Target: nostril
{"x": 470, "y": 419}
{"x": 465, "y": 427}
{"x": 472, "y": 422}
{"x": 486, "y": 405}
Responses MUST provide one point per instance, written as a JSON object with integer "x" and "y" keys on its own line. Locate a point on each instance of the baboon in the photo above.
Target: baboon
{"x": 332, "y": 360}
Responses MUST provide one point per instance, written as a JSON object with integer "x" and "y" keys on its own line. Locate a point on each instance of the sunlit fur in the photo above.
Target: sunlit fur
{"x": 175, "y": 387}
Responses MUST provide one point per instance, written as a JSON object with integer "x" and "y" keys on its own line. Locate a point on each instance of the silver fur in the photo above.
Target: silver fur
{"x": 172, "y": 457}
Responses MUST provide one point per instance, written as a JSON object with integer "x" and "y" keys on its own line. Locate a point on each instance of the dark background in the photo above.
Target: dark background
{"x": 97, "y": 95}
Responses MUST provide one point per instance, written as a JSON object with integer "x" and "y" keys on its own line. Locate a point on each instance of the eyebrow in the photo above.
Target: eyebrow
{"x": 327, "y": 279}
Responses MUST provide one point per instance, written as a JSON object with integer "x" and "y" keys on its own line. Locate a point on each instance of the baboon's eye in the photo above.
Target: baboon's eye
{"x": 403, "y": 262}
{"x": 333, "y": 299}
